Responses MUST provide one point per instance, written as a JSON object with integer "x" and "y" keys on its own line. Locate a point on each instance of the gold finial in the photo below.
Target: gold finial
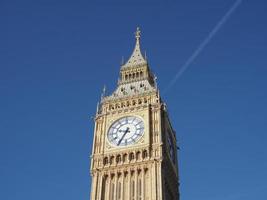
{"x": 104, "y": 89}
{"x": 137, "y": 33}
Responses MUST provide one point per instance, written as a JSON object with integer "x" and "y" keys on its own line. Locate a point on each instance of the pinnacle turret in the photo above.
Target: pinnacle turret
{"x": 136, "y": 57}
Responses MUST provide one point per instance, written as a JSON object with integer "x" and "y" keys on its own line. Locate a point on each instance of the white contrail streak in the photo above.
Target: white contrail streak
{"x": 204, "y": 44}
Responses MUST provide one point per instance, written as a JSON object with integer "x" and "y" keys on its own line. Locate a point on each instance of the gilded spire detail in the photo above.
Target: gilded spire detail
{"x": 137, "y": 33}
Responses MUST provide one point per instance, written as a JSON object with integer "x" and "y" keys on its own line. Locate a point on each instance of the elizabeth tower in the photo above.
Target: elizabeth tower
{"x": 134, "y": 154}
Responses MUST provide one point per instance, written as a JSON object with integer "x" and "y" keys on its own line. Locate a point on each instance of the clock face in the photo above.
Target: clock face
{"x": 126, "y": 131}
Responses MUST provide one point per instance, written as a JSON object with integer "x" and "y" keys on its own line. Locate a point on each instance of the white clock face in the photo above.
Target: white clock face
{"x": 126, "y": 131}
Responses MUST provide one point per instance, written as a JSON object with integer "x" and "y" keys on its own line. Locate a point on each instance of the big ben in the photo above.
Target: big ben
{"x": 134, "y": 154}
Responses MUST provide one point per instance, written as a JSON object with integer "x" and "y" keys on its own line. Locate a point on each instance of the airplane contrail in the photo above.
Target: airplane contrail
{"x": 204, "y": 43}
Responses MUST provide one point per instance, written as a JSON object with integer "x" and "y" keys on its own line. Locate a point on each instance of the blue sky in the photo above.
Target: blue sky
{"x": 55, "y": 57}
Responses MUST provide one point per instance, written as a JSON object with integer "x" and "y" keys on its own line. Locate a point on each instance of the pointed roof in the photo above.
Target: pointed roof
{"x": 136, "y": 57}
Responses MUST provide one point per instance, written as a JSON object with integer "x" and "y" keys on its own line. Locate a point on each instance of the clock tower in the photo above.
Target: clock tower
{"x": 134, "y": 154}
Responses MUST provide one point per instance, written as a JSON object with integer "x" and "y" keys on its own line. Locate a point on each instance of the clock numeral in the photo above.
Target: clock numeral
{"x": 133, "y": 122}
{"x": 121, "y": 122}
{"x": 138, "y": 123}
{"x": 114, "y": 138}
{"x": 115, "y": 130}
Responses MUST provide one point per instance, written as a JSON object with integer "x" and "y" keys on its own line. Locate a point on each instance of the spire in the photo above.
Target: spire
{"x": 103, "y": 92}
{"x": 136, "y": 57}
{"x": 138, "y": 34}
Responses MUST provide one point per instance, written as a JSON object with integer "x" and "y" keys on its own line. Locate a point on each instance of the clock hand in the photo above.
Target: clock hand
{"x": 121, "y": 130}
{"x": 125, "y": 132}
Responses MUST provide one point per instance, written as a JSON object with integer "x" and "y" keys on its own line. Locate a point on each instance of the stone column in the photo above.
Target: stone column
{"x": 99, "y": 186}
{"x": 93, "y": 187}
{"x": 108, "y": 187}
{"x": 143, "y": 183}
{"x": 116, "y": 185}
{"x": 159, "y": 180}
{"x": 122, "y": 186}
{"x": 151, "y": 180}
{"x": 154, "y": 182}
{"x": 129, "y": 184}
{"x": 135, "y": 182}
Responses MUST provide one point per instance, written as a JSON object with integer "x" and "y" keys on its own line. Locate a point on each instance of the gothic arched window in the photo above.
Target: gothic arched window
{"x": 105, "y": 161}
{"x": 118, "y": 158}
{"x": 144, "y": 154}
{"x": 111, "y": 160}
{"x": 131, "y": 156}
{"x": 145, "y": 100}
{"x": 127, "y": 103}
{"x": 124, "y": 157}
